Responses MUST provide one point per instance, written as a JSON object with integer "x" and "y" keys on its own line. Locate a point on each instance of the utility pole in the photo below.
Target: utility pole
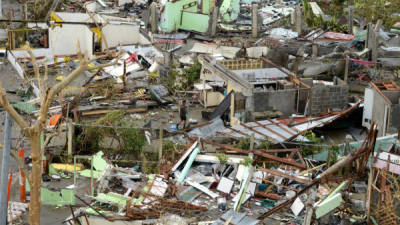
{"x": 254, "y": 20}
{"x": 214, "y": 21}
{"x": 298, "y": 19}
{"x": 153, "y": 15}
{"x": 350, "y": 19}
{"x": 4, "y": 171}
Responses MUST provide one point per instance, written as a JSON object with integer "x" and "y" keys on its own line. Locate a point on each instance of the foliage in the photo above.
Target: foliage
{"x": 111, "y": 140}
{"x": 243, "y": 144}
{"x": 222, "y": 157}
{"x": 247, "y": 161}
{"x": 317, "y": 21}
{"x": 333, "y": 154}
{"x": 373, "y": 10}
{"x": 153, "y": 76}
{"x": 105, "y": 88}
{"x": 192, "y": 73}
{"x": 183, "y": 79}
{"x": 265, "y": 145}
{"x": 310, "y": 149}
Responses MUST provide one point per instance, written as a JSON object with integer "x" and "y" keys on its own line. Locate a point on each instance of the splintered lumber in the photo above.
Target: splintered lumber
{"x": 285, "y": 175}
{"x": 366, "y": 147}
{"x": 260, "y": 153}
{"x": 105, "y": 111}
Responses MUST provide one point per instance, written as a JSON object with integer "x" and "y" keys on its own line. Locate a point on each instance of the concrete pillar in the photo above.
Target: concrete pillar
{"x": 372, "y": 42}
{"x": 314, "y": 50}
{"x": 167, "y": 58}
{"x": 254, "y": 20}
{"x": 298, "y": 19}
{"x": 350, "y": 18}
{"x": 214, "y": 21}
{"x": 153, "y": 15}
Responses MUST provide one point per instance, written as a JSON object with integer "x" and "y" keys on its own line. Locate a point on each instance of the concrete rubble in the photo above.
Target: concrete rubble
{"x": 201, "y": 112}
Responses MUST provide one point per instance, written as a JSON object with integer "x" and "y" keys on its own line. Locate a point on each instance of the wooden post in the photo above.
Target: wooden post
{"x": 153, "y": 15}
{"x": 252, "y": 142}
{"x": 372, "y": 42}
{"x": 346, "y": 69}
{"x": 160, "y": 150}
{"x": 346, "y": 152}
{"x": 350, "y": 18}
{"x": 293, "y": 17}
{"x": 214, "y": 21}
{"x": 369, "y": 193}
{"x": 232, "y": 113}
{"x": 254, "y": 20}
{"x": 69, "y": 137}
{"x": 309, "y": 207}
{"x": 298, "y": 19}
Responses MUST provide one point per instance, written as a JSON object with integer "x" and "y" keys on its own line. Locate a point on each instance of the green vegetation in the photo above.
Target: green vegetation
{"x": 247, "y": 161}
{"x": 313, "y": 148}
{"x": 317, "y": 21}
{"x": 333, "y": 155}
{"x": 112, "y": 141}
{"x": 243, "y": 144}
{"x": 265, "y": 145}
{"x": 183, "y": 79}
{"x": 373, "y": 10}
{"x": 222, "y": 157}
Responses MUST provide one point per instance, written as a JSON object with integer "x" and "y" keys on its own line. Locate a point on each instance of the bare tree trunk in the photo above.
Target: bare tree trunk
{"x": 36, "y": 179}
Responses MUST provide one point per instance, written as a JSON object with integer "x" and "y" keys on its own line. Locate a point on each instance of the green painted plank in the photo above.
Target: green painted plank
{"x": 328, "y": 205}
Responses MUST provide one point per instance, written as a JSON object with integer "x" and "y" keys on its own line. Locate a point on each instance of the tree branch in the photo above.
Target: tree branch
{"x": 13, "y": 113}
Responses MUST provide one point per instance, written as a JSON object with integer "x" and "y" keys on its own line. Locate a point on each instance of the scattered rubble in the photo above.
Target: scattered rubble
{"x": 290, "y": 112}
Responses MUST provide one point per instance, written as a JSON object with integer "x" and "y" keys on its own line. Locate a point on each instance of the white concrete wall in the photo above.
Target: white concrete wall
{"x": 123, "y": 34}
{"x": 64, "y": 40}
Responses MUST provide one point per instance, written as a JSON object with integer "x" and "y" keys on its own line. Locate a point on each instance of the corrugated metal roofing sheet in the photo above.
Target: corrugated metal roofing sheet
{"x": 281, "y": 130}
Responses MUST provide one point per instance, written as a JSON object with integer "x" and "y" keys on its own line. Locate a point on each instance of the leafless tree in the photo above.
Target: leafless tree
{"x": 33, "y": 130}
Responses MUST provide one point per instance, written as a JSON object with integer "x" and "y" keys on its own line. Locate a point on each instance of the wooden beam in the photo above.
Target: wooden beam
{"x": 260, "y": 153}
{"x": 285, "y": 175}
{"x": 281, "y": 185}
{"x": 380, "y": 92}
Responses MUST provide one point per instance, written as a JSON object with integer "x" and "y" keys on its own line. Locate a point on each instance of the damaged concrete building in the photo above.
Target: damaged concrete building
{"x": 261, "y": 92}
{"x": 382, "y": 107}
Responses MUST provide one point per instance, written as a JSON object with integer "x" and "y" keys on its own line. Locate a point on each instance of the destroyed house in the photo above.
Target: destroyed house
{"x": 382, "y": 106}
{"x": 256, "y": 91}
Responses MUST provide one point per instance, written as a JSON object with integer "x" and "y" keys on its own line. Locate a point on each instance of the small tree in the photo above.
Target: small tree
{"x": 33, "y": 131}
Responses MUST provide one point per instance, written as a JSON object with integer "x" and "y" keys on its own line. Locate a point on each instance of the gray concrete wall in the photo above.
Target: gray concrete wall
{"x": 394, "y": 122}
{"x": 324, "y": 97}
{"x": 378, "y": 112}
{"x": 281, "y": 100}
{"x": 393, "y": 96}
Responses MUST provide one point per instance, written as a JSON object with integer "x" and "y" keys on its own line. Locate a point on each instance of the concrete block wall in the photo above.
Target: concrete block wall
{"x": 281, "y": 100}
{"x": 324, "y": 97}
